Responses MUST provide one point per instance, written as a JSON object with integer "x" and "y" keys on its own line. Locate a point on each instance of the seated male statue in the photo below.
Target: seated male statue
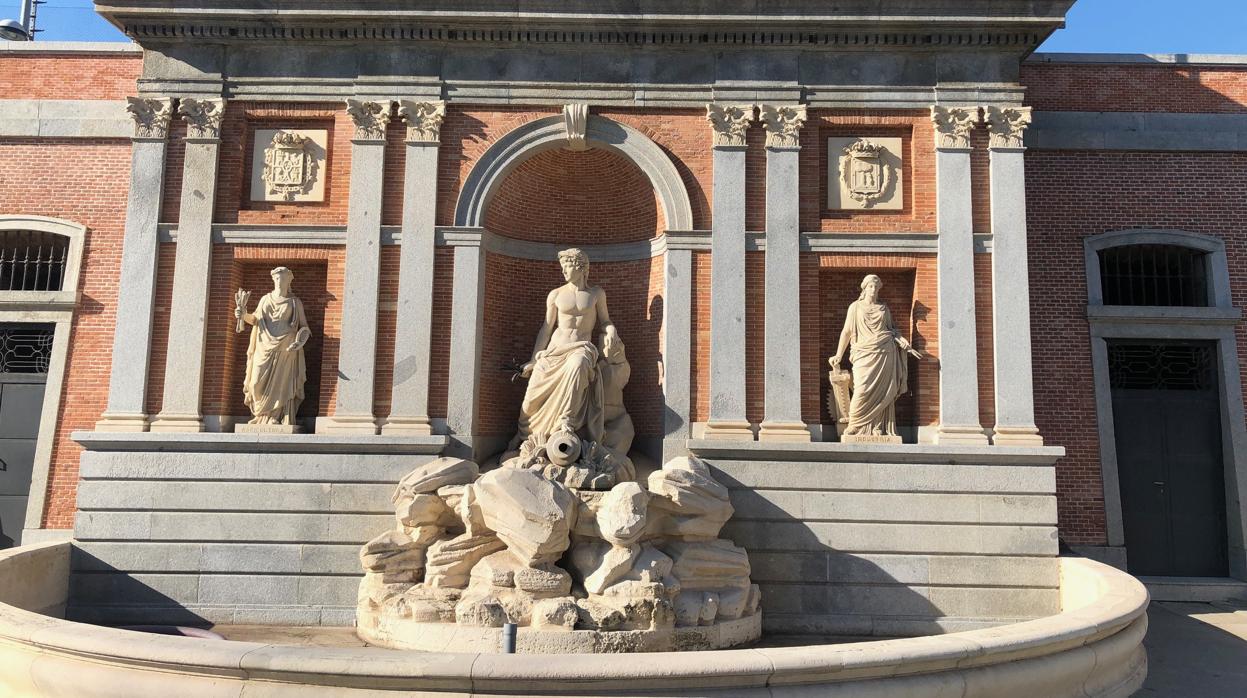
{"x": 565, "y": 397}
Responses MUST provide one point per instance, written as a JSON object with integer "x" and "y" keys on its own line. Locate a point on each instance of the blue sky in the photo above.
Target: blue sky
{"x": 1095, "y": 26}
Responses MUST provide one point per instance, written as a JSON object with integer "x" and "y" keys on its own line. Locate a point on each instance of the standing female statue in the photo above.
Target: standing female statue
{"x": 880, "y": 373}
{"x": 276, "y": 368}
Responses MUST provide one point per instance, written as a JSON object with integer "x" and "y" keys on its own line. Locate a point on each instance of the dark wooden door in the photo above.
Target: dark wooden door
{"x": 1167, "y": 419}
{"x": 24, "y": 354}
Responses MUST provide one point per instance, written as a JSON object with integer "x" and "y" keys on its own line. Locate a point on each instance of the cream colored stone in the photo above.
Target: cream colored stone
{"x": 435, "y": 475}
{"x": 424, "y": 120}
{"x": 783, "y": 124}
{"x": 953, "y": 126}
{"x": 1007, "y": 125}
{"x": 880, "y": 357}
{"x": 865, "y": 174}
{"x": 729, "y": 122}
{"x": 691, "y": 501}
{"x": 530, "y": 514}
{"x": 572, "y": 415}
{"x": 289, "y": 165}
{"x": 276, "y": 366}
{"x": 449, "y": 561}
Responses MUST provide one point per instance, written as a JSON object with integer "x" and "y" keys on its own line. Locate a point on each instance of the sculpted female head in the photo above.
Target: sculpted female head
{"x": 282, "y": 277}
{"x": 871, "y": 286}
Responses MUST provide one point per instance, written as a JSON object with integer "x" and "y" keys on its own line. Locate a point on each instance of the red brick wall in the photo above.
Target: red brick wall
{"x": 583, "y": 198}
{"x": 1112, "y": 191}
{"x": 69, "y": 76}
{"x": 1149, "y": 88}
{"x": 84, "y": 181}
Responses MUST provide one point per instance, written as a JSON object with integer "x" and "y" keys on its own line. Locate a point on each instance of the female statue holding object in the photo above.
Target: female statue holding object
{"x": 276, "y": 368}
{"x": 880, "y": 373}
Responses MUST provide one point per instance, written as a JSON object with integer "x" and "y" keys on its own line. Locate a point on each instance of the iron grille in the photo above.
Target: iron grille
{"x": 32, "y": 260}
{"x": 1161, "y": 366}
{"x": 1166, "y": 275}
{"x": 25, "y": 348}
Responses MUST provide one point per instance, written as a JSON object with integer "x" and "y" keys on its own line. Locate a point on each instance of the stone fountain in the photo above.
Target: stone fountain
{"x": 561, "y": 539}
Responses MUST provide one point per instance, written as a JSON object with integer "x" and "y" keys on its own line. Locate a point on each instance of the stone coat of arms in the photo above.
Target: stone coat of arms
{"x": 290, "y": 168}
{"x": 867, "y": 176}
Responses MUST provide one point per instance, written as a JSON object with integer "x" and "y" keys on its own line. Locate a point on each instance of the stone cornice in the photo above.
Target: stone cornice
{"x": 969, "y": 23}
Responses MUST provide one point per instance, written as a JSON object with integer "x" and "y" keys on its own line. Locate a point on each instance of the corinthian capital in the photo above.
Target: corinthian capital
{"x": 424, "y": 120}
{"x": 151, "y": 116}
{"x": 953, "y": 125}
{"x": 783, "y": 125}
{"x": 203, "y": 116}
{"x": 729, "y": 122}
{"x": 370, "y": 118}
{"x": 1007, "y": 124}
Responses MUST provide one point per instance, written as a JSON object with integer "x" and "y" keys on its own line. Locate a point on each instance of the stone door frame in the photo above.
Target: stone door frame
{"x": 57, "y": 309}
{"x": 1215, "y": 323}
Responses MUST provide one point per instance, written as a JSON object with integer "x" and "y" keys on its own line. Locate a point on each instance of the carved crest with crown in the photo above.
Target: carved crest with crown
{"x": 290, "y": 168}
{"x": 866, "y": 173}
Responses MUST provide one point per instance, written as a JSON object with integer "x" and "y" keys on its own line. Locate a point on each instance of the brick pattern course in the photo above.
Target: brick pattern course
{"x": 1149, "y": 88}
{"x": 70, "y": 76}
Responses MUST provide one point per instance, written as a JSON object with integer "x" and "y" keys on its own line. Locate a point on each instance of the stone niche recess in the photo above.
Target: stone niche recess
{"x": 639, "y": 567}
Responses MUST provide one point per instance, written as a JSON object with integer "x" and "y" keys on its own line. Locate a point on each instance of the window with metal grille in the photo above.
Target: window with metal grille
{"x": 1137, "y": 366}
{"x": 32, "y": 260}
{"x": 1166, "y": 275}
{"x": 25, "y": 348}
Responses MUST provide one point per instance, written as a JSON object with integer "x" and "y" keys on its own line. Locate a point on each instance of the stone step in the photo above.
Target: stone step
{"x": 1195, "y": 589}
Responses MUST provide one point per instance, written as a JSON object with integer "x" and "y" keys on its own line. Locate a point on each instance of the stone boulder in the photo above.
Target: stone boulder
{"x": 434, "y": 475}
{"x": 530, "y": 514}
{"x": 696, "y": 504}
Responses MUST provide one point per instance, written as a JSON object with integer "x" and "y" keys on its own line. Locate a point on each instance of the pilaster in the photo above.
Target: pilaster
{"x": 468, "y": 292}
{"x": 729, "y": 123}
{"x": 409, "y": 411}
{"x": 357, "y": 354}
{"x": 782, "y": 420}
{"x": 1011, "y": 326}
{"x": 184, "y": 360}
{"x": 132, "y": 332}
{"x": 677, "y": 361}
{"x": 959, "y": 382}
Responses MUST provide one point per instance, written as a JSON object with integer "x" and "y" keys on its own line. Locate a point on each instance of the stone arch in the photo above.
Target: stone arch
{"x": 549, "y": 133}
{"x": 75, "y": 233}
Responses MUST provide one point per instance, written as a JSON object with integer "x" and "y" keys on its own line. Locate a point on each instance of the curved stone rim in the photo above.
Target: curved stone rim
{"x": 1091, "y": 648}
{"x": 548, "y": 133}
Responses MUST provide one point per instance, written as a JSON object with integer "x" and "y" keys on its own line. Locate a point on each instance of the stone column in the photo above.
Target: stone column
{"x": 1011, "y": 313}
{"x": 782, "y": 420}
{"x": 184, "y": 362}
{"x": 409, "y": 405}
{"x": 468, "y": 298}
{"x": 727, "y": 276}
{"x": 132, "y": 332}
{"x": 357, "y": 352}
{"x": 677, "y": 362}
{"x": 959, "y": 381}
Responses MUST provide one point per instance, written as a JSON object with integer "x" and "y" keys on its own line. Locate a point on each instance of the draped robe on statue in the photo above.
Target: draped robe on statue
{"x": 564, "y": 394}
{"x": 273, "y": 388}
{"x": 880, "y": 370}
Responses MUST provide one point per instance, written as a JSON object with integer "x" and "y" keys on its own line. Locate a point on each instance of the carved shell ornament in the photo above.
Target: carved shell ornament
{"x": 290, "y": 168}
{"x": 865, "y": 171}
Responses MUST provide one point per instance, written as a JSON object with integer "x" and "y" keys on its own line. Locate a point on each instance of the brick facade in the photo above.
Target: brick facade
{"x": 601, "y": 198}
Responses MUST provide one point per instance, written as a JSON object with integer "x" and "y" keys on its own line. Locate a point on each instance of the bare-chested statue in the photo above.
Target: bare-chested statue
{"x": 566, "y": 386}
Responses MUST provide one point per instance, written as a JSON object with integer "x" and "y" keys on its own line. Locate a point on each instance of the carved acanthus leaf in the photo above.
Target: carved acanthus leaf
{"x": 576, "y": 119}
{"x": 151, "y": 116}
{"x": 729, "y": 122}
{"x": 203, "y": 116}
{"x": 783, "y": 125}
{"x": 370, "y": 118}
{"x": 953, "y": 125}
{"x": 424, "y": 120}
{"x": 1007, "y": 125}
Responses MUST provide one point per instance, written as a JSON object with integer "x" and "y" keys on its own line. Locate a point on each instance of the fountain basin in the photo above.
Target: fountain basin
{"x": 1093, "y": 647}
